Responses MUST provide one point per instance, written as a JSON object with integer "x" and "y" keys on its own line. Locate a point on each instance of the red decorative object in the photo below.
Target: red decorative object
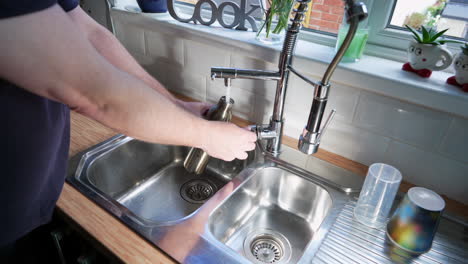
{"x": 453, "y": 81}
{"x": 425, "y": 73}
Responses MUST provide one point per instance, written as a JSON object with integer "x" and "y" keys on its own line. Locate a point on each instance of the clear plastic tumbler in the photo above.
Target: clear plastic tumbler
{"x": 377, "y": 195}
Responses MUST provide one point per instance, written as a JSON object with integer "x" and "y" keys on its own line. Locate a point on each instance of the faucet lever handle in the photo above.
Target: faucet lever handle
{"x": 327, "y": 123}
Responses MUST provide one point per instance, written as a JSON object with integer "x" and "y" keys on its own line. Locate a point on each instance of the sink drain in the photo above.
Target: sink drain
{"x": 267, "y": 246}
{"x": 197, "y": 191}
{"x": 266, "y": 249}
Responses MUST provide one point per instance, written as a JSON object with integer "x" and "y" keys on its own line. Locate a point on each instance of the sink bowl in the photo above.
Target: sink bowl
{"x": 271, "y": 217}
{"x": 149, "y": 179}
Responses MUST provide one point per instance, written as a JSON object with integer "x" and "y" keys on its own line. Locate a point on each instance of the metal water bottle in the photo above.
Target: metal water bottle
{"x": 197, "y": 159}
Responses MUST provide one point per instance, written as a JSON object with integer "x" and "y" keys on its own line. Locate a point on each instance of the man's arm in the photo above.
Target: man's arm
{"x": 46, "y": 54}
{"x": 111, "y": 49}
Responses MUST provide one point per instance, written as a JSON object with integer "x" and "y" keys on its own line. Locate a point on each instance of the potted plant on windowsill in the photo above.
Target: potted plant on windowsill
{"x": 275, "y": 20}
{"x": 427, "y": 52}
{"x": 461, "y": 69}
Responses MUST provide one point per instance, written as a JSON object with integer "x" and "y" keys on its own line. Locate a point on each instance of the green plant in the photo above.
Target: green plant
{"x": 465, "y": 48}
{"x": 430, "y": 36}
{"x": 279, "y": 9}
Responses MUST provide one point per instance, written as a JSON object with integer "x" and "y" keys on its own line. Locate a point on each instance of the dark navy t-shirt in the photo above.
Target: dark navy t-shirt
{"x": 34, "y": 136}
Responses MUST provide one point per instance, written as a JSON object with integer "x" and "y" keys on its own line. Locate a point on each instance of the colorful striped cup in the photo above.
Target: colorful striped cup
{"x": 414, "y": 224}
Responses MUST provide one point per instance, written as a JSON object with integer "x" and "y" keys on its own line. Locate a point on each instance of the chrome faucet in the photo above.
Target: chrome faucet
{"x": 309, "y": 140}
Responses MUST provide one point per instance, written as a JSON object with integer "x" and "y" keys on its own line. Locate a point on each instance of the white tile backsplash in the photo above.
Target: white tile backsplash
{"x": 187, "y": 83}
{"x": 294, "y": 122}
{"x": 298, "y": 102}
{"x": 344, "y": 178}
{"x": 200, "y": 57}
{"x": 266, "y": 88}
{"x": 144, "y": 60}
{"x": 299, "y": 95}
{"x": 163, "y": 47}
{"x": 402, "y": 121}
{"x": 455, "y": 144}
{"x": 263, "y": 109}
{"x": 342, "y": 98}
{"x": 355, "y": 143}
{"x": 131, "y": 37}
{"x": 158, "y": 69}
{"x": 430, "y": 170}
{"x": 262, "y": 88}
{"x": 244, "y": 62}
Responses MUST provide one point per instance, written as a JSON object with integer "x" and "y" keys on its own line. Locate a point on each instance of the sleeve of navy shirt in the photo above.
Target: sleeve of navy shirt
{"x": 35, "y": 139}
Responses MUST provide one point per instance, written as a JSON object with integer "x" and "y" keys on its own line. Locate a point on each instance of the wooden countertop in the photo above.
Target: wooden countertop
{"x": 122, "y": 241}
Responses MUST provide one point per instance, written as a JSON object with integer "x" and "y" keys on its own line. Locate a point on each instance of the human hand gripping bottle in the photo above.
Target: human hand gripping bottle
{"x": 197, "y": 159}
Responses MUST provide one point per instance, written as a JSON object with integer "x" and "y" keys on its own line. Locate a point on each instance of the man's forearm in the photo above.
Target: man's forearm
{"x": 144, "y": 114}
{"x": 111, "y": 49}
{"x": 48, "y": 56}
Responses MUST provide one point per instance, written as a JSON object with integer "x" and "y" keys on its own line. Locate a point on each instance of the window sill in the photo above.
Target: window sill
{"x": 371, "y": 73}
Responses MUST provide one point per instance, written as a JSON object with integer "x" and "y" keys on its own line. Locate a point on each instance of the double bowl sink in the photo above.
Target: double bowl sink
{"x": 273, "y": 213}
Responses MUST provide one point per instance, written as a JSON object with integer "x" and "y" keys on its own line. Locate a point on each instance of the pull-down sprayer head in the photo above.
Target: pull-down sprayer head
{"x": 309, "y": 140}
{"x": 354, "y": 9}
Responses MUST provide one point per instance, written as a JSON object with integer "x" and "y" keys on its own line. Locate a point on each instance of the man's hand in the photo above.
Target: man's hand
{"x": 227, "y": 141}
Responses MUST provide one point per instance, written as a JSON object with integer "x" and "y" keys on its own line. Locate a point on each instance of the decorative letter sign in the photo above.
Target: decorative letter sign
{"x": 240, "y": 14}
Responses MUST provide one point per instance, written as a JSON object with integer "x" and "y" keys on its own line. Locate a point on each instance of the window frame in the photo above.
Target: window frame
{"x": 383, "y": 37}
{"x": 384, "y": 41}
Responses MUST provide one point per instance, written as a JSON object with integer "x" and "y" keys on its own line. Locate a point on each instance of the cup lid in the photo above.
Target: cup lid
{"x": 426, "y": 199}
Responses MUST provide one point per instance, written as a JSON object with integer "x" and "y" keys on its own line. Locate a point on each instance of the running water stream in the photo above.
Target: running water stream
{"x": 228, "y": 93}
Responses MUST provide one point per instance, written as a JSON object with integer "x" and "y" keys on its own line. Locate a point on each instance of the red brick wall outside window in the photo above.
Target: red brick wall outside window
{"x": 326, "y": 15}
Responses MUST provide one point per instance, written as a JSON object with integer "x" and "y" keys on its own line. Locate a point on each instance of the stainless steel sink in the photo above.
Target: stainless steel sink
{"x": 274, "y": 212}
{"x": 271, "y": 217}
{"x": 150, "y": 180}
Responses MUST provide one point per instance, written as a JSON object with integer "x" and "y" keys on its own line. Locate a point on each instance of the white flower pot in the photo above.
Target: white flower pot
{"x": 461, "y": 68}
{"x": 427, "y": 56}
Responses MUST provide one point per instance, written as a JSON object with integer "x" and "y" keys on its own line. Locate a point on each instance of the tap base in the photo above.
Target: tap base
{"x": 306, "y": 147}
{"x": 308, "y": 142}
